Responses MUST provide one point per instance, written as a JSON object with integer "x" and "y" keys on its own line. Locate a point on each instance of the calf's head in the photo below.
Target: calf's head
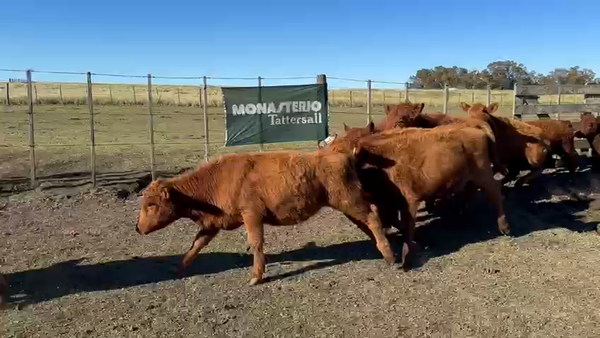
{"x": 402, "y": 115}
{"x": 479, "y": 111}
{"x": 157, "y": 209}
{"x": 536, "y": 150}
{"x": 346, "y": 143}
{"x": 588, "y": 126}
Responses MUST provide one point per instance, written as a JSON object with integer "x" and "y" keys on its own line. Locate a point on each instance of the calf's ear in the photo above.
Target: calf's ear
{"x": 371, "y": 127}
{"x": 465, "y": 106}
{"x": 492, "y": 108}
{"x": 388, "y": 108}
{"x": 419, "y": 108}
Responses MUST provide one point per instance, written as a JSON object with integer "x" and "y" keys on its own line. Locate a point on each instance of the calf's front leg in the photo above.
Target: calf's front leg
{"x": 204, "y": 236}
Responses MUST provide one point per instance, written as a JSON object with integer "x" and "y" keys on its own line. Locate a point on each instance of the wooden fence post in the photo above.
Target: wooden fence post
{"x": 514, "y": 103}
{"x": 134, "y": 98}
{"x": 446, "y": 98}
{"x": 110, "y": 93}
{"x": 406, "y": 100}
{"x": 60, "y": 93}
{"x": 150, "y": 127}
{"x": 322, "y": 79}
{"x": 260, "y": 145}
{"x": 8, "y": 93}
{"x": 332, "y": 96}
{"x": 369, "y": 94}
{"x": 489, "y": 95}
{"x": 32, "y": 175}
{"x": 558, "y": 101}
{"x": 90, "y": 102}
{"x": 199, "y": 96}
{"x": 205, "y": 109}
{"x": 351, "y": 99}
{"x": 178, "y": 97}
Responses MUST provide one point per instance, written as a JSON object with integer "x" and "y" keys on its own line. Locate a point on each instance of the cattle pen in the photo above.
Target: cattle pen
{"x": 78, "y": 148}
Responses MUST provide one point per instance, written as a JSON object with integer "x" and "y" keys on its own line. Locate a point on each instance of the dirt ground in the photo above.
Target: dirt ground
{"x": 77, "y": 268}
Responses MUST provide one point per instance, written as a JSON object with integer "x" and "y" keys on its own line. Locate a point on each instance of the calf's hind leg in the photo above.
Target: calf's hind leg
{"x": 370, "y": 224}
{"x": 255, "y": 232}
{"x": 493, "y": 192}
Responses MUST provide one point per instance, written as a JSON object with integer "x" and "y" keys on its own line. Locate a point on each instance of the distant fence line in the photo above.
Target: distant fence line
{"x": 204, "y": 95}
{"x": 15, "y": 92}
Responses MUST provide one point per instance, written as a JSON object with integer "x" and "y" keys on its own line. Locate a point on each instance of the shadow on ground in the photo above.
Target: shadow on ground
{"x": 528, "y": 209}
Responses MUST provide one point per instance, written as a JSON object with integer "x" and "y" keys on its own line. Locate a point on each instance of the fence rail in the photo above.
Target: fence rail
{"x": 46, "y": 125}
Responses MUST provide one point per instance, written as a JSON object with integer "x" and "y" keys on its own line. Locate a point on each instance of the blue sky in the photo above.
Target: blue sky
{"x": 380, "y": 40}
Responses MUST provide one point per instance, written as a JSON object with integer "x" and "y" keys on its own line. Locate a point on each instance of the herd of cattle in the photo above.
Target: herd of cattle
{"x": 376, "y": 175}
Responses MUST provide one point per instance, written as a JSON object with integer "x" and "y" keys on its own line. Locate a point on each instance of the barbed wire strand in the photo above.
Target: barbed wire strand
{"x": 12, "y": 70}
{"x": 345, "y": 79}
{"x": 389, "y": 82}
{"x": 194, "y": 77}
{"x": 57, "y": 72}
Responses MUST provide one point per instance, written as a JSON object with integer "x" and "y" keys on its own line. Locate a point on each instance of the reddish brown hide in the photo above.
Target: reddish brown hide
{"x": 277, "y": 188}
{"x": 521, "y": 145}
{"x": 588, "y": 129}
{"x": 399, "y": 115}
{"x": 561, "y": 137}
{"x": 425, "y": 164}
{"x": 407, "y": 115}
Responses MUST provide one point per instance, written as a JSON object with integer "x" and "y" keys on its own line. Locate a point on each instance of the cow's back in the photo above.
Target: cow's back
{"x": 287, "y": 185}
{"x": 554, "y": 130}
{"x": 429, "y": 161}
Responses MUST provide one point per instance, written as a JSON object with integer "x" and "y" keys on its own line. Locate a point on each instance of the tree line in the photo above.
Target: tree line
{"x": 498, "y": 75}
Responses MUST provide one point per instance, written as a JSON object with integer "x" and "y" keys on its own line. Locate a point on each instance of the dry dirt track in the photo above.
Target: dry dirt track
{"x": 77, "y": 268}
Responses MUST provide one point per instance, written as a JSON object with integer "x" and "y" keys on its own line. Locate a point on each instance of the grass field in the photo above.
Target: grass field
{"x": 62, "y": 137}
{"x": 76, "y": 93}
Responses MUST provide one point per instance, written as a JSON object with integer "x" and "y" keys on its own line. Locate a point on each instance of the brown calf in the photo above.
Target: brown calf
{"x": 408, "y": 115}
{"x": 520, "y": 145}
{"x": 588, "y": 129}
{"x": 561, "y": 137}
{"x": 399, "y": 115}
{"x": 277, "y": 188}
{"x": 425, "y": 164}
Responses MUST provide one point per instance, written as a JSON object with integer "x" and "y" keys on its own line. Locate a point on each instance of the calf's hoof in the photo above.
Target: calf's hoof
{"x": 255, "y": 280}
{"x": 503, "y": 226}
{"x": 390, "y": 260}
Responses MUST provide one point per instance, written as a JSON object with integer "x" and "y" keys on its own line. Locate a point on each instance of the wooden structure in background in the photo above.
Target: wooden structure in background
{"x": 526, "y": 105}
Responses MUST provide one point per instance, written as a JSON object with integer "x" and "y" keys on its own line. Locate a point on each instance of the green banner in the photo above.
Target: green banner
{"x": 274, "y": 114}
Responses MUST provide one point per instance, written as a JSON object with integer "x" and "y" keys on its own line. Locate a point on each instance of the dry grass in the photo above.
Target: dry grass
{"x": 76, "y": 93}
{"x": 62, "y": 136}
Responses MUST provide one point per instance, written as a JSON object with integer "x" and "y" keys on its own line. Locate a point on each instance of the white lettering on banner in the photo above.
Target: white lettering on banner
{"x": 261, "y": 108}
{"x": 275, "y": 120}
{"x": 238, "y": 110}
{"x": 270, "y": 108}
{"x": 250, "y": 109}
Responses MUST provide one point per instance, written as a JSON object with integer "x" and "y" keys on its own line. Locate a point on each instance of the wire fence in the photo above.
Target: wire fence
{"x": 78, "y": 124}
